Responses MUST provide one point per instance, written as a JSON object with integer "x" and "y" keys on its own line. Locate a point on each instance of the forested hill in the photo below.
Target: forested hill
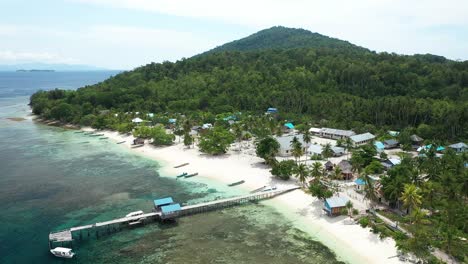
{"x": 286, "y": 38}
{"x": 336, "y": 87}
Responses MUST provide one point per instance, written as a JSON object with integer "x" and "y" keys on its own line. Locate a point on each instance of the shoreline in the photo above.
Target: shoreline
{"x": 350, "y": 242}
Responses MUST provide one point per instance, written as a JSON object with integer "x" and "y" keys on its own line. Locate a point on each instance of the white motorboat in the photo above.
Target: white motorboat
{"x": 134, "y": 213}
{"x": 62, "y": 252}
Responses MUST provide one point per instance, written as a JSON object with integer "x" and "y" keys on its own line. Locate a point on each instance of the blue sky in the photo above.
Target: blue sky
{"x": 123, "y": 34}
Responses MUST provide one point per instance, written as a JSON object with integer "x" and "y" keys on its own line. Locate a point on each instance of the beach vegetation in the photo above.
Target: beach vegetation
{"x": 216, "y": 141}
{"x": 267, "y": 148}
{"x": 283, "y": 169}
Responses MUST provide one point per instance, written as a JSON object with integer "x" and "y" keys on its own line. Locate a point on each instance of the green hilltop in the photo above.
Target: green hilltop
{"x": 307, "y": 76}
{"x": 285, "y": 38}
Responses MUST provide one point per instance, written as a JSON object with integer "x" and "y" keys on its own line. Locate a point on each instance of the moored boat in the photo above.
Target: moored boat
{"x": 236, "y": 183}
{"x": 182, "y": 175}
{"x": 62, "y": 252}
{"x": 134, "y": 213}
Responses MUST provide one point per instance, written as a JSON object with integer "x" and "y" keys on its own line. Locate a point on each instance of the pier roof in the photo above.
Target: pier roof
{"x": 163, "y": 201}
{"x": 167, "y": 209}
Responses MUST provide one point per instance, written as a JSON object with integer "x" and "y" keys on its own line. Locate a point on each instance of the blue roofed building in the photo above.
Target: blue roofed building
{"x": 170, "y": 211}
{"x": 272, "y": 110}
{"x": 158, "y": 203}
{"x": 379, "y": 146}
{"x": 289, "y": 125}
{"x": 334, "y": 205}
{"x": 359, "y": 184}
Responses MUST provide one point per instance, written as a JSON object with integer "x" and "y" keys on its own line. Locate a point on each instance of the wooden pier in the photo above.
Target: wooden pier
{"x": 67, "y": 235}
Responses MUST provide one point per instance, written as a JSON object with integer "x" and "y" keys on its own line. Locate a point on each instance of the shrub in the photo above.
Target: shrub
{"x": 364, "y": 222}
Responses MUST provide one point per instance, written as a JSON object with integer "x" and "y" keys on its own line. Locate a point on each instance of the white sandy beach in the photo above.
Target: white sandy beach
{"x": 350, "y": 242}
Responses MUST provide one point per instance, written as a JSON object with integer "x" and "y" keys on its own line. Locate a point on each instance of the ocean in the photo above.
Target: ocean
{"x": 52, "y": 178}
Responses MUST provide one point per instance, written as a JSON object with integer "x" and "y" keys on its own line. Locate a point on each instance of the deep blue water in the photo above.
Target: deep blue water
{"x": 50, "y": 180}
{"x": 14, "y": 84}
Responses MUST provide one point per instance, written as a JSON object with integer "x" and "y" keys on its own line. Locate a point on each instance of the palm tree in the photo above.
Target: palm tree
{"x": 348, "y": 144}
{"x": 349, "y": 206}
{"x": 307, "y": 137}
{"x": 237, "y": 129}
{"x": 316, "y": 171}
{"x": 327, "y": 151}
{"x": 296, "y": 148}
{"x": 369, "y": 190}
{"x": 411, "y": 197}
{"x": 417, "y": 216}
{"x": 337, "y": 173}
{"x": 302, "y": 172}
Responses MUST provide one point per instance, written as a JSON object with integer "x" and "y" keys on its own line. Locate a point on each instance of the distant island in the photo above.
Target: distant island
{"x": 48, "y": 67}
{"x": 34, "y": 70}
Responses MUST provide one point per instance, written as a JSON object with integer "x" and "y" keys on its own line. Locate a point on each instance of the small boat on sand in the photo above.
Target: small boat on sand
{"x": 62, "y": 252}
{"x": 181, "y": 165}
{"x": 182, "y": 175}
{"x": 191, "y": 175}
{"x": 236, "y": 183}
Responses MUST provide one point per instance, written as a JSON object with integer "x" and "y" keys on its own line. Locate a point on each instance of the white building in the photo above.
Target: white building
{"x": 362, "y": 139}
{"x": 332, "y": 133}
{"x": 285, "y": 144}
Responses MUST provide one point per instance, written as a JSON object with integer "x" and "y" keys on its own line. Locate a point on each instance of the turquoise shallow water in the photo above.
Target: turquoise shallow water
{"x": 50, "y": 180}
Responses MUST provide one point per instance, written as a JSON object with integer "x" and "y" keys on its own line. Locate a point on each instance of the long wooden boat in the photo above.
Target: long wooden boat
{"x": 96, "y": 135}
{"x": 182, "y": 175}
{"x": 236, "y": 183}
{"x": 79, "y": 132}
{"x": 121, "y": 142}
{"x": 181, "y": 165}
{"x": 191, "y": 175}
{"x": 103, "y": 138}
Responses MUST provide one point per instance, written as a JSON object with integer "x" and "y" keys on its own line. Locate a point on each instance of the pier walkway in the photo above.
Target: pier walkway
{"x": 67, "y": 235}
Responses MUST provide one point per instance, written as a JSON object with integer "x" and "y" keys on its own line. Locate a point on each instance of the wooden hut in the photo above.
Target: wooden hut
{"x": 334, "y": 205}
{"x": 346, "y": 169}
{"x": 329, "y": 166}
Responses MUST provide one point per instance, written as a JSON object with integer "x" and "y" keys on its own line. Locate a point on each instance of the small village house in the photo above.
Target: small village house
{"x": 390, "y": 143}
{"x": 390, "y": 163}
{"x": 272, "y": 110}
{"x": 360, "y": 183}
{"x": 346, "y": 169}
{"x": 416, "y": 140}
{"x": 334, "y": 205}
{"x": 137, "y": 120}
{"x": 459, "y": 147}
{"x": 288, "y": 127}
{"x": 329, "y": 166}
{"x": 315, "y": 150}
{"x": 362, "y": 139}
{"x": 338, "y": 151}
{"x": 285, "y": 144}
{"x": 379, "y": 146}
{"x": 318, "y": 149}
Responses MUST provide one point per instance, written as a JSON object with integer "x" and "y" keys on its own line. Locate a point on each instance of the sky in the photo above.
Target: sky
{"x": 123, "y": 34}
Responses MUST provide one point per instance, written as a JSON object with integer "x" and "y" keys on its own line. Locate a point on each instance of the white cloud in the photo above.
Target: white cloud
{"x": 111, "y": 46}
{"x": 383, "y": 25}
